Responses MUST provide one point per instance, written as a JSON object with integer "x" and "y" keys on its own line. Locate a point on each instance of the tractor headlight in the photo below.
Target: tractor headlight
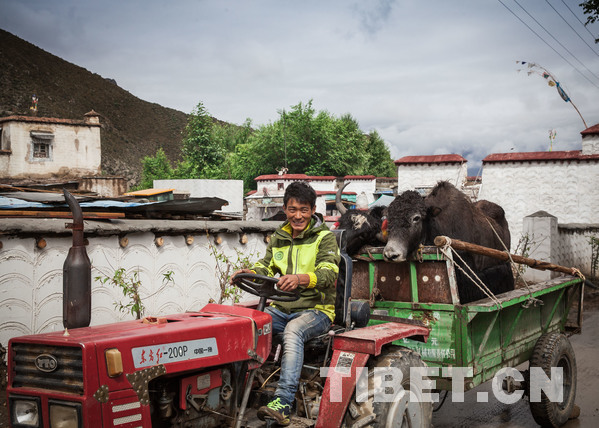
{"x": 25, "y": 411}
{"x": 64, "y": 415}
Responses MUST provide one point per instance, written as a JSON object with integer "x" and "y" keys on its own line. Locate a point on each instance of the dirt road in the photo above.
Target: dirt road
{"x": 470, "y": 413}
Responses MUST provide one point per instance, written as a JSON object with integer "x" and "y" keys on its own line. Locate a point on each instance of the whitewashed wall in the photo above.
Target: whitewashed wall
{"x": 359, "y": 186}
{"x": 563, "y": 244}
{"x": 574, "y": 248}
{"x": 31, "y": 278}
{"x": 272, "y": 186}
{"x": 75, "y": 150}
{"x": 566, "y": 190}
{"x": 410, "y": 177}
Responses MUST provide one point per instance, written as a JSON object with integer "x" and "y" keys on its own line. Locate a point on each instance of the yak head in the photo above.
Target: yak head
{"x": 363, "y": 227}
{"x": 406, "y": 218}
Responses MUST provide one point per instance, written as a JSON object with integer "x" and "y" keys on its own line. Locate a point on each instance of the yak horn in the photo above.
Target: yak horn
{"x": 340, "y": 207}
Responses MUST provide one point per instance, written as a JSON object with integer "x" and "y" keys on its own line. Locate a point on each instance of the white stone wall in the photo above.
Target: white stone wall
{"x": 541, "y": 228}
{"x": 410, "y": 177}
{"x": 229, "y": 190}
{"x": 271, "y": 187}
{"x": 359, "y": 186}
{"x": 31, "y": 279}
{"x": 574, "y": 248}
{"x": 4, "y": 162}
{"x": 566, "y": 190}
{"x": 562, "y": 244}
{"x": 323, "y": 185}
{"x": 590, "y": 145}
{"x": 75, "y": 150}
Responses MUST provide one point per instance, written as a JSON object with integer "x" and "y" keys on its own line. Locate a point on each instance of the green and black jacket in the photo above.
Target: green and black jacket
{"x": 313, "y": 252}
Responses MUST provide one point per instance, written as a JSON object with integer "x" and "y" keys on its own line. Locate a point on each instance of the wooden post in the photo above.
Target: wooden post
{"x": 441, "y": 241}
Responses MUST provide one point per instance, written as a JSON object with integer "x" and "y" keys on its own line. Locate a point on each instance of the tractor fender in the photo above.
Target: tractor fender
{"x": 351, "y": 351}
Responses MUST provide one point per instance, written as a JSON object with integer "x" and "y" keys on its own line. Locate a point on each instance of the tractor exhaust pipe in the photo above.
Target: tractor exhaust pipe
{"x": 77, "y": 274}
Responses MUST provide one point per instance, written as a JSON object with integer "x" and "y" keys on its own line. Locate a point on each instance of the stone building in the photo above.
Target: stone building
{"x": 561, "y": 183}
{"x": 421, "y": 173}
{"x": 37, "y": 148}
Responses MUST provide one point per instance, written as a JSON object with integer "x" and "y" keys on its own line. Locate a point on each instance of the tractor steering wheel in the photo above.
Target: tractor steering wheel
{"x": 264, "y": 286}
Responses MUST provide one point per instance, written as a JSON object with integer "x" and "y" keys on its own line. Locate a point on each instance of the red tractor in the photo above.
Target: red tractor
{"x": 211, "y": 368}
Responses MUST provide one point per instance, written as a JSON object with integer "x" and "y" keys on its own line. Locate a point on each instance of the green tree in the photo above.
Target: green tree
{"x": 591, "y": 8}
{"x": 228, "y": 137}
{"x": 155, "y": 167}
{"x": 305, "y": 142}
{"x": 208, "y": 146}
{"x": 202, "y": 152}
{"x": 379, "y": 162}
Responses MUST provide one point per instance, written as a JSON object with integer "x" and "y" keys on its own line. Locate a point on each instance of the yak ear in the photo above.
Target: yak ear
{"x": 434, "y": 211}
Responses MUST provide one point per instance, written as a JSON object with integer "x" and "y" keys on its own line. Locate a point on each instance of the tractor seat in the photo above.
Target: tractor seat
{"x": 347, "y": 312}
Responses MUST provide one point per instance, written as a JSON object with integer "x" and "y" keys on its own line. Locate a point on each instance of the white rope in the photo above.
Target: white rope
{"x": 476, "y": 280}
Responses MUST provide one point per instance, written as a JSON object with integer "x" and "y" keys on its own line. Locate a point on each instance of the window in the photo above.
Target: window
{"x": 41, "y": 143}
{"x": 280, "y": 186}
{"x": 41, "y": 149}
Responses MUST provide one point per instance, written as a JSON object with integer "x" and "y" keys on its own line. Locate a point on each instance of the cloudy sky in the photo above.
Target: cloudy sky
{"x": 432, "y": 77}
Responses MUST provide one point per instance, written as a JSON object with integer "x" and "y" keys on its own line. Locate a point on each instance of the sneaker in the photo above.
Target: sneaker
{"x": 277, "y": 410}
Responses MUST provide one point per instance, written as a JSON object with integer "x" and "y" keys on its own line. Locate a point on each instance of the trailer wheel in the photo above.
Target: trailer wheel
{"x": 397, "y": 410}
{"x": 554, "y": 350}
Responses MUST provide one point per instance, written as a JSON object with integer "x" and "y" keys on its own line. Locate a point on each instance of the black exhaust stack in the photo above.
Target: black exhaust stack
{"x": 77, "y": 274}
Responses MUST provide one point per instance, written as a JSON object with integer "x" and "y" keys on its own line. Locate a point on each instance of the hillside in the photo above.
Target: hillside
{"x": 132, "y": 128}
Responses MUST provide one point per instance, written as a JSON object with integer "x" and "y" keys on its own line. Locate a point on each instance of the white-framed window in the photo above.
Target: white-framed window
{"x": 41, "y": 146}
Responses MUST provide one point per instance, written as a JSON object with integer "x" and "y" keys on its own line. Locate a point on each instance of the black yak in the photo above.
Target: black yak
{"x": 362, "y": 227}
{"x": 414, "y": 220}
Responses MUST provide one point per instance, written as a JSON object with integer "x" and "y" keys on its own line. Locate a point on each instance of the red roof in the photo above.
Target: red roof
{"x": 359, "y": 177}
{"x": 332, "y": 192}
{"x": 538, "y": 156}
{"x": 294, "y": 177}
{"x": 592, "y": 130}
{"x": 407, "y": 160}
{"x": 34, "y": 119}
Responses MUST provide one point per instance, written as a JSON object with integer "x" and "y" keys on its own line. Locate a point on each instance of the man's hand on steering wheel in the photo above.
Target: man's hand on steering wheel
{"x": 265, "y": 286}
{"x": 232, "y": 278}
{"x": 290, "y": 282}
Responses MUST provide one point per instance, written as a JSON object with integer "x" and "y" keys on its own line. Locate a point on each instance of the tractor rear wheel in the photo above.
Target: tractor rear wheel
{"x": 554, "y": 350}
{"x": 391, "y": 402}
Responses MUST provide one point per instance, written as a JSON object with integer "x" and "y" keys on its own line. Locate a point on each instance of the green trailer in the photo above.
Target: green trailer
{"x": 528, "y": 324}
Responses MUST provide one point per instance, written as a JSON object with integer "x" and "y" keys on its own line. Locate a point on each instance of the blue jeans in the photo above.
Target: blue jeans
{"x": 297, "y": 328}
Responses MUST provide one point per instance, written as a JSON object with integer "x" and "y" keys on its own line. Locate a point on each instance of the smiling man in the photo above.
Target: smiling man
{"x": 305, "y": 253}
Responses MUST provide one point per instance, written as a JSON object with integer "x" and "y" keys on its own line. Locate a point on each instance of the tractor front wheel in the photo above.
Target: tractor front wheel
{"x": 394, "y": 398}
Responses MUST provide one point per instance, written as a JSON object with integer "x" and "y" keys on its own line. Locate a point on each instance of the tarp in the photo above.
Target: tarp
{"x": 383, "y": 201}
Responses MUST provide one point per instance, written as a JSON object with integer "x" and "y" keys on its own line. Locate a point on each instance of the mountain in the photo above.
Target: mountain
{"x": 132, "y": 128}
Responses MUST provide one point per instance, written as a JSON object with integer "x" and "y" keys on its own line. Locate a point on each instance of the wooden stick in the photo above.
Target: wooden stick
{"x": 441, "y": 241}
{"x": 58, "y": 214}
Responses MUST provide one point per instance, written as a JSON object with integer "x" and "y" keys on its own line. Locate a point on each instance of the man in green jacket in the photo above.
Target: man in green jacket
{"x": 305, "y": 253}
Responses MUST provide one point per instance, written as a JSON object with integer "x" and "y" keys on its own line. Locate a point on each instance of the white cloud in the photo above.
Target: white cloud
{"x": 431, "y": 77}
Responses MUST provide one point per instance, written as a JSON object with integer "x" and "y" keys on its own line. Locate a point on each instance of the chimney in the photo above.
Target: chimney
{"x": 91, "y": 118}
{"x": 590, "y": 140}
